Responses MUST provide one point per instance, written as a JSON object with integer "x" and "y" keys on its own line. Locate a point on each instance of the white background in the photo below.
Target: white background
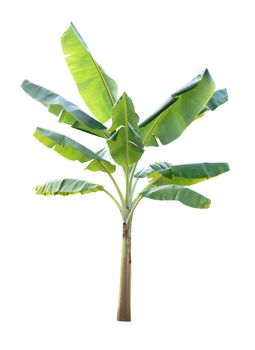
{"x": 193, "y": 270}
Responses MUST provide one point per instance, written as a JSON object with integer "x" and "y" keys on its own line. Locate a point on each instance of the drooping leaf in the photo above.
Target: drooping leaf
{"x": 65, "y": 146}
{"x": 65, "y": 187}
{"x": 67, "y": 111}
{"x": 170, "y": 120}
{"x": 96, "y": 88}
{"x": 125, "y": 145}
{"x": 185, "y": 174}
{"x": 178, "y": 193}
{"x": 218, "y": 98}
{"x": 103, "y": 165}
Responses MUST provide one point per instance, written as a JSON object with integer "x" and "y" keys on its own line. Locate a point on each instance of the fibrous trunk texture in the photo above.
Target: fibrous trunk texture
{"x": 124, "y": 307}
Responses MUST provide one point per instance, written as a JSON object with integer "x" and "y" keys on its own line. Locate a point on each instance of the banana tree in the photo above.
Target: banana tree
{"x": 126, "y": 140}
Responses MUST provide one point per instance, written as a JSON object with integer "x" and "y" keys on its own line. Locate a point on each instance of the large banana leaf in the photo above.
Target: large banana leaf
{"x": 178, "y": 193}
{"x": 186, "y": 174}
{"x": 170, "y": 120}
{"x": 218, "y": 98}
{"x": 97, "y": 89}
{"x": 125, "y": 145}
{"x": 104, "y": 166}
{"x": 66, "y": 146}
{"x": 67, "y": 111}
{"x": 65, "y": 187}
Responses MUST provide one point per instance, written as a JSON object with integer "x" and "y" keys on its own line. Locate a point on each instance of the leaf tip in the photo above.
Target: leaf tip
{"x": 208, "y": 204}
{"x": 226, "y": 94}
{"x": 36, "y": 189}
{"x": 24, "y": 84}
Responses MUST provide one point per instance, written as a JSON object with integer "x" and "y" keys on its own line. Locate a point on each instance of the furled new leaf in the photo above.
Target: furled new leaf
{"x": 218, "y": 98}
{"x": 186, "y": 174}
{"x": 125, "y": 145}
{"x": 170, "y": 120}
{"x": 66, "y": 187}
{"x": 178, "y": 193}
{"x": 96, "y": 88}
{"x": 67, "y": 111}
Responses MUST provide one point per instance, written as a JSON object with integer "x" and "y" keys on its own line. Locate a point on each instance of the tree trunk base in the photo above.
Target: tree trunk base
{"x": 124, "y": 306}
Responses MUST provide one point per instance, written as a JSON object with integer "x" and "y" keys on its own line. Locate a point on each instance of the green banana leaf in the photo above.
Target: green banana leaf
{"x": 170, "y": 120}
{"x": 151, "y": 168}
{"x": 104, "y": 166}
{"x": 218, "y": 98}
{"x": 67, "y": 111}
{"x": 184, "y": 175}
{"x": 65, "y": 146}
{"x": 96, "y": 88}
{"x": 125, "y": 144}
{"x": 178, "y": 193}
{"x": 64, "y": 187}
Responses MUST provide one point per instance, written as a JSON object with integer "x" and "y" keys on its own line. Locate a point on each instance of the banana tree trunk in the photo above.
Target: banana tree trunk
{"x": 124, "y": 307}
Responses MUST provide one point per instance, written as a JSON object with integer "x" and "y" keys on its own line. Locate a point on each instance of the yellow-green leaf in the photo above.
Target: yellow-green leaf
{"x": 97, "y": 89}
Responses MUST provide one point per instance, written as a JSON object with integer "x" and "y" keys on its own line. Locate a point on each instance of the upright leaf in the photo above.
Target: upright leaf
{"x": 170, "y": 120}
{"x": 125, "y": 145}
{"x": 178, "y": 193}
{"x": 66, "y": 187}
{"x": 67, "y": 111}
{"x": 96, "y": 88}
{"x": 186, "y": 174}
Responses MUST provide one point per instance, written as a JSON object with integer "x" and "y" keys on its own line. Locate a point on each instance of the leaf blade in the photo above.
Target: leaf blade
{"x": 152, "y": 168}
{"x": 218, "y": 98}
{"x": 64, "y": 145}
{"x": 178, "y": 193}
{"x": 102, "y": 165}
{"x": 177, "y": 113}
{"x": 66, "y": 111}
{"x": 184, "y": 174}
{"x": 97, "y": 89}
{"x": 66, "y": 187}
{"x": 125, "y": 145}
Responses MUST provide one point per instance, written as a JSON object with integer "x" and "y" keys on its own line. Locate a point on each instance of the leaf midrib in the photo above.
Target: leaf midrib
{"x": 156, "y": 122}
{"x": 126, "y": 131}
{"x": 102, "y": 79}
